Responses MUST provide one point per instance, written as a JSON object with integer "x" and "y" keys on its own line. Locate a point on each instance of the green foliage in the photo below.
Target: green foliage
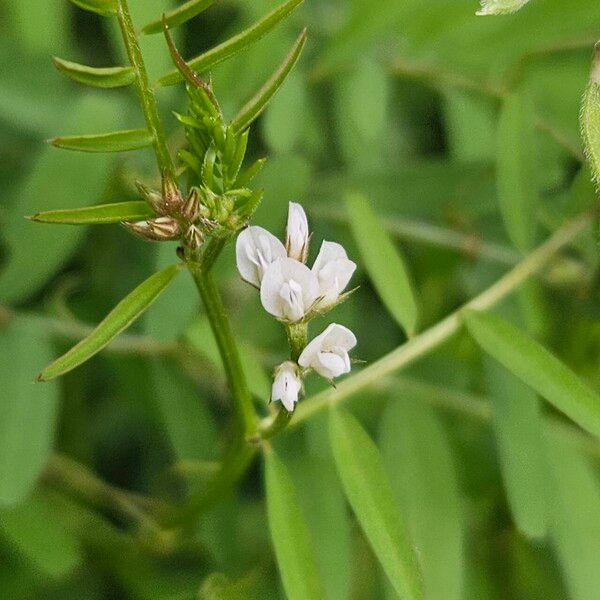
{"x": 104, "y": 77}
{"x": 178, "y": 16}
{"x": 116, "y": 141}
{"x": 291, "y": 539}
{"x": 536, "y": 367}
{"x": 96, "y": 215}
{"x": 590, "y": 117}
{"x": 101, "y": 7}
{"x": 501, "y": 7}
{"x": 368, "y": 490}
{"x": 119, "y": 318}
{"x": 383, "y": 263}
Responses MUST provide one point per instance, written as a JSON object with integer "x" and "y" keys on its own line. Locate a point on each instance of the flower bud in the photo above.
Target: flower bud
{"x": 152, "y": 197}
{"x": 190, "y": 211}
{"x": 171, "y": 195}
{"x": 156, "y": 230}
{"x": 297, "y": 235}
{"x": 193, "y": 237}
{"x": 287, "y": 385}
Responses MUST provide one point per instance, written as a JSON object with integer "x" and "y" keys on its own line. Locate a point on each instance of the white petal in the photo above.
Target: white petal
{"x": 297, "y": 234}
{"x": 288, "y": 289}
{"x": 334, "y": 271}
{"x": 331, "y": 365}
{"x": 333, "y": 338}
{"x": 286, "y": 385}
{"x": 255, "y": 249}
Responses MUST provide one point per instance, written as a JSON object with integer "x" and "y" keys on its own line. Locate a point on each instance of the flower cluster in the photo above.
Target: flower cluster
{"x": 294, "y": 293}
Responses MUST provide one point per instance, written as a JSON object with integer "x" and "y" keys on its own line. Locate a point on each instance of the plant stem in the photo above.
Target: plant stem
{"x": 221, "y": 328}
{"x": 424, "y": 343}
{"x": 297, "y": 334}
{"x": 147, "y": 98}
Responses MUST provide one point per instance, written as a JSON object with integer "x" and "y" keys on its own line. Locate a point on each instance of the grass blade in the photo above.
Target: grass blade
{"x": 259, "y": 101}
{"x": 383, "y": 262}
{"x": 97, "y": 215}
{"x": 233, "y": 45}
{"x": 100, "y": 7}
{"x": 125, "y": 313}
{"x": 369, "y": 492}
{"x": 536, "y": 367}
{"x": 101, "y": 77}
{"x": 419, "y": 462}
{"x": 116, "y": 141}
{"x": 516, "y": 169}
{"x": 290, "y": 534}
{"x": 178, "y": 15}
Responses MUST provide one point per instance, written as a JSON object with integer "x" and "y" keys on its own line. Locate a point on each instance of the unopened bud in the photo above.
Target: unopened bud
{"x": 165, "y": 227}
{"x": 190, "y": 211}
{"x": 152, "y": 197}
{"x": 193, "y": 237}
{"x": 171, "y": 194}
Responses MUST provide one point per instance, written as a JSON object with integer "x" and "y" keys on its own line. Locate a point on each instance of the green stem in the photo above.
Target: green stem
{"x": 221, "y": 328}
{"x": 297, "y": 334}
{"x": 147, "y": 98}
{"x": 433, "y": 337}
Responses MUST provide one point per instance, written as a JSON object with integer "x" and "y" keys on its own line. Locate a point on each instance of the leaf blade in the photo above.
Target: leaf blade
{"x": 101, "y": 77}
{"x": 537, "y": 367}
{"x": 124, "y": 313}
{"x": 254, "y": 107}
{"x": 100, "y": 7}
{"x": 383, "y": 262}
{"x": 95, "y": 215}
{"x": 290, "y": 534}
{"x": 590, "y": 118}
{"x": 516, "y": 169}
{"x": 178, "y": 16}
{"x": 115, "y": 141}
{"x": 233, "y": 45}
{"x": 369, "y": 492}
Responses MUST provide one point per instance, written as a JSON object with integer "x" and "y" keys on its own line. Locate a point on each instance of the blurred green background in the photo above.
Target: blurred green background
{"x": 398, "y": 99}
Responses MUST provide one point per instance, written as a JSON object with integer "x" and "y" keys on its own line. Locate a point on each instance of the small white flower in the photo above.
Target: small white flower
{"x": 297, "y": 235}
{"x": 255, "y": 249}
{"x": 288, "y": 289}
{"x": 333, "y": 269}
{"x": 327, "y": 354}
{"x": 286, "y": 385}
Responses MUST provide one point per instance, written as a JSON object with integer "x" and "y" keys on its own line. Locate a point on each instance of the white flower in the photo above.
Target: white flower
{"x": 296, "y": 234}
{"x": 255, "y": 250}
{"x": 288, "y": 289}
{"x": 286, "y": 385}
{"x": 327, "y": 354}
{"x": 333, "y": 270}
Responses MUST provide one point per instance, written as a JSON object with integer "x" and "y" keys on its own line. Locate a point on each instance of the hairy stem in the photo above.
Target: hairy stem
{"x": 433, "y": 337}
{"x": 221, "y": 328}
{"x": 147, "y": 98}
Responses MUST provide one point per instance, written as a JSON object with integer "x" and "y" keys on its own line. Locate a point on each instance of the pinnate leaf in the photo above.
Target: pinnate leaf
{"x": 259, "y": 101}
{"x": 232, "y": 46}
{"x": 101, "y": 77}
{"x": 126, "y": 311}
{"x": 536, "y": 367}
{"x": 116, "y": 141}
{"x": 383, "y": 262}
{"x": 291, "y": 538}
{"x": 96, "y": 215}
{"x": 369, "y": 492}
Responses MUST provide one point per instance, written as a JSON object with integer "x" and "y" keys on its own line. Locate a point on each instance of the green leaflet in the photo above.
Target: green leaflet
{"x": 290, "y": 535}
{"x": 101, "y": 7}
{"x": 40, "y": 251}
{"x": 119, "y": 318}
{"x": 590, "y": 118}
{"x": 179, "y": 15}
{"x": 516, "y": 171}
{"x": 252, "y": 109}
{"x": 34, "y": 529}
{"x": 27, "y": 412}
{"x": 518, "y": 431}
{"x": 419, "y": 463}
{"x": 574, "y": 510}
{"x": 102, "y": 77}
{"x": 383, "y": 262}
{"x": 537, "y": 367}
{"x": 97, "y": 215}
{"x": 116, "y": 141}
{"x": 233, "y": 45}
{"x": 368, "y": 490}
{"x": 500, "y": 7}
